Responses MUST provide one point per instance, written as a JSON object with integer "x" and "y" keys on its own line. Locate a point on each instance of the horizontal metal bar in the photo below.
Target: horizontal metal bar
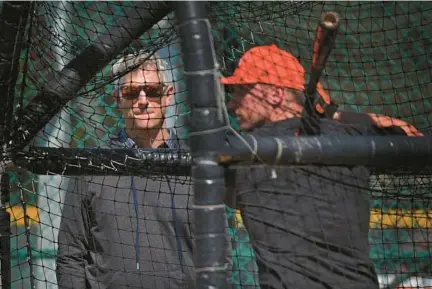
{"x": 377, "y": 152}
{"x": 383, "y": 154}
{"x": 65, "y": 161}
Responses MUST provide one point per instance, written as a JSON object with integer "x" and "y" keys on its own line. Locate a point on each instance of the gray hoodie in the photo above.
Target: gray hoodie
{"x": 126, "y": 232}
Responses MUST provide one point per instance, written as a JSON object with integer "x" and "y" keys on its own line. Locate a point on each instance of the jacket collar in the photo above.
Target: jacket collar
{"x": 122, "y": 140}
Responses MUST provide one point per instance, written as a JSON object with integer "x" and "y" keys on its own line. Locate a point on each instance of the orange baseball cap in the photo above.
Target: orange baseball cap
{"x": 271, "y": 65}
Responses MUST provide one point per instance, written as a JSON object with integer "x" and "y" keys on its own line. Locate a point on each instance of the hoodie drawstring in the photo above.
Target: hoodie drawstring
{"x": 177, "y": 225}
{"x": 137, "y": 241}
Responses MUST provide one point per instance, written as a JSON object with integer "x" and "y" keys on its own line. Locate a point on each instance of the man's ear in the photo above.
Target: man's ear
{"x": 276, "y": 97}
{"x": 169, "y": 95}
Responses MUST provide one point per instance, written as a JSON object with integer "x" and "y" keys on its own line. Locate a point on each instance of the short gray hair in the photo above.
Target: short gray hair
{"x": 131, "y": 62}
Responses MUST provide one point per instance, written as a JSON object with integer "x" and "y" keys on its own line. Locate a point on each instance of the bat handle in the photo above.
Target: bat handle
{"x": 323, "y": 44}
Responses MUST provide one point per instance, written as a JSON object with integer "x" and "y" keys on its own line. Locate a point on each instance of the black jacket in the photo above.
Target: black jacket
{"x": 126, "y": 232}
{"x": 308, "y": 226}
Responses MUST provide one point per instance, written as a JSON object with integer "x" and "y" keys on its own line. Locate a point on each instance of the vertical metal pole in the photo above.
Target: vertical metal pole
{"x": 206, "y": 136}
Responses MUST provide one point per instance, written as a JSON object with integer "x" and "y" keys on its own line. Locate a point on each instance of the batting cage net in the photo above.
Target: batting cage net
{"x": 324, "y": 179}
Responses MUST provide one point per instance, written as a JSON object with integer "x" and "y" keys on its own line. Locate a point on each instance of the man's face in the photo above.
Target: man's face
{"x": 249, "y": 104}
{"x": 143, "y": 99}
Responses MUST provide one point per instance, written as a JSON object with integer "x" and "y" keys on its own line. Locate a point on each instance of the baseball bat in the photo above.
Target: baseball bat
{"x": 324, "y": 40}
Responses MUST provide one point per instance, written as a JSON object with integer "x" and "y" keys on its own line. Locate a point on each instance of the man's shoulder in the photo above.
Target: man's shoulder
{"x": 283, "y": 127}
{"x": 121, "y": 141}
{"x": 335, "y": 127}
{"x": 327, "y": 126}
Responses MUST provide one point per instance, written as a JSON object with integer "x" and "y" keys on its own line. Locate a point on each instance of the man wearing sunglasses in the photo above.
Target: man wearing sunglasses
{"x": 143, "y": 97}
{"x": 129, "y": 231}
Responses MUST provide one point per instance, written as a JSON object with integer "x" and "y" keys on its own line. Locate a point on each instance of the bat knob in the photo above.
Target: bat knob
{"x": 330, "y": 20}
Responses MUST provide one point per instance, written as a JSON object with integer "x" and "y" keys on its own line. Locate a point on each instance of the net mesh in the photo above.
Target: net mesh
{"x": 380, "y": 64}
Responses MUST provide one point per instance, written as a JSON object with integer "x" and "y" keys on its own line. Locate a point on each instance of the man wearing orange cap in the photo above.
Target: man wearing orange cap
{"x": 276, "y": 67}
{"x": 308, "y": 225}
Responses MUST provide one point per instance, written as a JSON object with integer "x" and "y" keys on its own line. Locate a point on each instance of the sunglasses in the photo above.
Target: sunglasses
{"x": 151, "y": 91}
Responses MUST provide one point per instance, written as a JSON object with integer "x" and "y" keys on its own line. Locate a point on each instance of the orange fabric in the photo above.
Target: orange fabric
{"x": 385, "y": 121}
{"x": 272, "y": 65}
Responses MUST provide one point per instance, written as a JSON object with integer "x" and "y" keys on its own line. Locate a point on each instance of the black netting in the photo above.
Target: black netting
{"x": 104, "y": 81}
